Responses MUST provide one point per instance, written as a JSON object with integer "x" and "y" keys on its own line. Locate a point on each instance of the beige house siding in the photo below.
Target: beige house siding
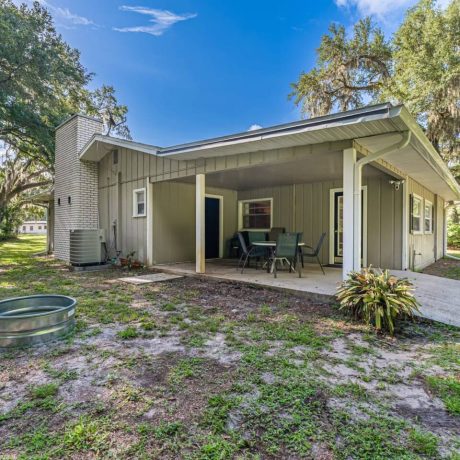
{"x": 300, "y": 207}
{"x": 306, "y": 208}
{"x": 422, "y": 247}
{"x": 174, "y": 220}
{"x": 173, "y": 209}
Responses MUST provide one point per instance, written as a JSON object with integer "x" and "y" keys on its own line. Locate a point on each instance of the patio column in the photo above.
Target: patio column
{"x": 200, "y": 224}
{"x": 357, "y": 216}
{"x": 149, "y": 231}
{"x": 349, "y": 216}
{"x": 405, "y": 226}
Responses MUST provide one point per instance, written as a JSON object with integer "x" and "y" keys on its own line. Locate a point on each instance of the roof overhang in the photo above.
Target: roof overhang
{"x": 43, "y": 197}
{"x": 99, "y": 145}
{"x": 373, "y": 128}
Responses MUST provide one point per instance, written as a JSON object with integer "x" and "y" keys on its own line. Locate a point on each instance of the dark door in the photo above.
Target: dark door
{"x": 212, "y": 227}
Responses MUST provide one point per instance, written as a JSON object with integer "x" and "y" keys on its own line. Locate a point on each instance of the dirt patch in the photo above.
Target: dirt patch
{"x": 195, "y": 366}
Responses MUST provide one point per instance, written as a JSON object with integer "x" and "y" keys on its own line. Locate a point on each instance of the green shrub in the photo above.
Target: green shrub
{"x": 378, "y": 298}
{"x": 453, "y": 235}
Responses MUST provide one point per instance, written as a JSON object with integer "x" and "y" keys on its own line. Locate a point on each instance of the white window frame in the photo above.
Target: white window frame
{"x": 421, "y": 216}
{"x": 332, "y": 192}
{"x": 136, "y": 192}
{"x": 430, "y": 217}
{"x": 253, "y": 200}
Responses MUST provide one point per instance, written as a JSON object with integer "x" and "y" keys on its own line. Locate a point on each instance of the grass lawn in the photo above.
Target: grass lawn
{"x": 446, "y": 267}
{"x": 194, "y": 369}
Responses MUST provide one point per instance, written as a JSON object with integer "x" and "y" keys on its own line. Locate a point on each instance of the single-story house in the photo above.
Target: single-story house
{"x": 369, "y": 178}
{"x": 37, "y": 227}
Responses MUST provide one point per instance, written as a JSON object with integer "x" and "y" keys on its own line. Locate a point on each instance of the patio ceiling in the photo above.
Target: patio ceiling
{"x": 313, "y": 168}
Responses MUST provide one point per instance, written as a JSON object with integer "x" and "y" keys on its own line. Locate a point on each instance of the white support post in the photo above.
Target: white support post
{"x": 200, "y": 223}
{"x": 405, "y": 226}
{"x": 357, "y": 217}
{"x": 349, "y": 160}
{"x": 149, "y": 232}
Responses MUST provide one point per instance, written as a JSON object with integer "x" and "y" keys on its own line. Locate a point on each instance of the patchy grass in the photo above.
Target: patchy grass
{"x": 446, "y": 267}
{"x": 199, "y": 369}
{"x": 424, "y": 443}
{"x": 448, "y": 389}
{"x": 128, "y": 333}
{"x": 44, "y": 391}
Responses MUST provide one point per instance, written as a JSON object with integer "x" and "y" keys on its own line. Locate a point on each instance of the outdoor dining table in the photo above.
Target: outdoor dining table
{"x": 270, "y": 245}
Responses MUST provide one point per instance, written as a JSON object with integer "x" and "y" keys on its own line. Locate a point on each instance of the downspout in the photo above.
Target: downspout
{"x": 406, "y": 137}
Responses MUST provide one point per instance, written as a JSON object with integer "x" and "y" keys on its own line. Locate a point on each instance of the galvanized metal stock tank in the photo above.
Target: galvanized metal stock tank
{"x": 26, "y": 321}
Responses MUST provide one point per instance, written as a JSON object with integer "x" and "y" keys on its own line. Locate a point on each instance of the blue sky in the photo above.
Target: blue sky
{"x": 192, "y": 69}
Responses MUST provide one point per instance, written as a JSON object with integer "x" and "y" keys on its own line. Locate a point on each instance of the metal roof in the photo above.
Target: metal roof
{"x": 342, "y": 118}
{"x": 374, "y": 127}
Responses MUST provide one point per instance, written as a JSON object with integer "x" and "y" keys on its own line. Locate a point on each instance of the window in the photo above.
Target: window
{"x": 39, "y": 227}
{"x": 256, "y": 214}
{"x": 416, "y": 214}
{"x": 428, "y": 217}
{"x": 23, "y": 228}
{"x": 115, "y": 157}
{"x": 139, "y": 202}
{"x": 31, "y": 228}
{"x": 44, "y": 227}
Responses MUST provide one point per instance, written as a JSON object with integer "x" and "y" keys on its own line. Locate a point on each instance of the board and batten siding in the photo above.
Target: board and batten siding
{"x": 174, "y": 220}
{"x": 299, "y": 207}
{"x": 173, "y": 208}
{"x": 116, "y": 185}
{"x": 306, "y": 208}
{"x": 426, "y": 248}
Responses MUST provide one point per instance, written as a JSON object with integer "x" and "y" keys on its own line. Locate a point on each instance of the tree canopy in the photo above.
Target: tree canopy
{"x": 42, "y": 82}
{"x": 419, "y": 66}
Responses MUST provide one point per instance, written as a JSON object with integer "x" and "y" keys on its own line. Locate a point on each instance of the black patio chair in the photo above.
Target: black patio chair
{"x": 253, "y": 252}
{"x": 314, "y": 252}
{"x": 274, "y": 232}
{"x": 287, "y": 250}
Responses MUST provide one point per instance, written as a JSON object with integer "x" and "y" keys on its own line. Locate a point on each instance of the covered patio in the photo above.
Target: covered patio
{"x": 313, "y": 282}
{"x": 349, "y": 176}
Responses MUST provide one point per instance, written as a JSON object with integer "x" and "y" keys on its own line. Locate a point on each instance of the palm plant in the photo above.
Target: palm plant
{"x": 378, "y": 298}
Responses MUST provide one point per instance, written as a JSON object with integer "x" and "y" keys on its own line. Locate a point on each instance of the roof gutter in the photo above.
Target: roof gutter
{"x": 344, "y": 118}
{"x": 404, "y": 142}
{"x": 357, "y": 185}
{"x": 429, "y": 153}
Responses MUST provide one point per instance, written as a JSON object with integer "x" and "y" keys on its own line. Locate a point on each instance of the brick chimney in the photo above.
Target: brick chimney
{"x": 75, "y": 183}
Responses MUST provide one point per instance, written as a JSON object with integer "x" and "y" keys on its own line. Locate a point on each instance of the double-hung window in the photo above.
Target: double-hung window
{"x": 428, "y": 217}
{"x": 139, "y": 203}
{"x": 416, "y": 214}
{"x": 256, "y": 214}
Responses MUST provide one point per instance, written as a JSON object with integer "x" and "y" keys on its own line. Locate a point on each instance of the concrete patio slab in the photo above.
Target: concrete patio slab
{"x": 439, "y": 297}
{"x": 151, "y": 278}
